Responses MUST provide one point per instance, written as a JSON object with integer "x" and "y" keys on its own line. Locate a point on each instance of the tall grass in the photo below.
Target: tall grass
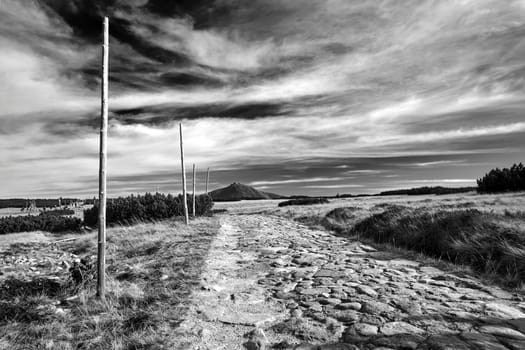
{"x": 487, "y": 242}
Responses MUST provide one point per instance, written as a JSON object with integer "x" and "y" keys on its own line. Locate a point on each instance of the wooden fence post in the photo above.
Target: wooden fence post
{"x": 193, "y": 196}
{"x": 207, "y": 179}
{"x": 185, "y": 202}
{"x": 101, "y": 259}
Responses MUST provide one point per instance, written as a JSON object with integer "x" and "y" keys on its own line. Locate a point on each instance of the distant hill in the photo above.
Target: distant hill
{"x": 237, "y": 192}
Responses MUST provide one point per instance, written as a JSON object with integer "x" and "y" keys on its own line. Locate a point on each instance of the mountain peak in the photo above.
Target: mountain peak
{"x": 237, "y": 191}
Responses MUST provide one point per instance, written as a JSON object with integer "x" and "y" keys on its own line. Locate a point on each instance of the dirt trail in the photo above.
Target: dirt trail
{"x": 270, "y": 282}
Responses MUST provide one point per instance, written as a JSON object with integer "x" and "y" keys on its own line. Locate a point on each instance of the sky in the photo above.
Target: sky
{"x": 291, "y": 97}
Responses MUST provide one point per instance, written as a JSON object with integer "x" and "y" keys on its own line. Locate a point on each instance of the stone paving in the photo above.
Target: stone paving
{"x": 271, "y": 283}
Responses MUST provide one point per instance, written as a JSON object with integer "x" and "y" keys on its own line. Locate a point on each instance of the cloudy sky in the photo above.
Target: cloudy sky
{"x": 292, "y": 97}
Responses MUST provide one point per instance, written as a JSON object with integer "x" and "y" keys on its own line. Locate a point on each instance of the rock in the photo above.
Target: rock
{"x": 483, "y": 341}
{"x": 296, "y": 313}
{"x": 349, "y": 306}
{"x": 344, "y": 315}
{"x": 503, "y": 311}
{"x": 447, "y": 342}
{"x": 377, "y": 308}
{"x": 314, "y": 291}
{"x": 366, "y": 290}
{"x": 330, "y": 273}
{"x": 519, "y": 324}
{"x": 402, "y": 341}
{"x": 256, "y": 340}
{"x": 305, "y": 346}
{"x": 400, "y": 327}
{"x": 365, "y": 329}
{"x": 329, "y": 301}
{"x": 502, "y": 331}
{"x": 514, "y": 344}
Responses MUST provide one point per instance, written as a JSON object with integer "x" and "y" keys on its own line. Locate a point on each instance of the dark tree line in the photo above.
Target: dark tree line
{"x": 39, "y": 203}
{"x": 49, "y": 223}
{"x": 428, "y": 190}
{"x": 503, "y": 180}
{"x": 148, "y": 207}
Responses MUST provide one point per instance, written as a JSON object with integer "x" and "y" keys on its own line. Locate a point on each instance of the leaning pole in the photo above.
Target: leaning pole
{"x": 193, "y": 195}
{"x": 101, "y": 260}
{"x": 184, "y": 200}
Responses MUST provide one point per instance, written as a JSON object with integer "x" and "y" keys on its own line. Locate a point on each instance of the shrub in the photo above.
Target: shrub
{"x": 50, "y": 223}
{"x": 503, "y": 180}
{"x": 148, "y": 207}
{"x": 304, "y": 201}
{"x": 58, "y": 212}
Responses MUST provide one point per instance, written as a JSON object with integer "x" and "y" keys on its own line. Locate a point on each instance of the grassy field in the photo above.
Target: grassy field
{"x": 48, "y": 298}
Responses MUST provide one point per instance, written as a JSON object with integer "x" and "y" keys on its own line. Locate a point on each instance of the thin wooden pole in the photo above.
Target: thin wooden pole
{"x": 193, "y": 195}
{"x": 101, "y": 261}
{"x": 185, "y": 203}
{"x": 207, "y": 179}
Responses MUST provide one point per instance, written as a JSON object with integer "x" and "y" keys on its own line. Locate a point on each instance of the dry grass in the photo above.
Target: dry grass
{"x": 481, "y": 233}
{"x": 151, "y": 271}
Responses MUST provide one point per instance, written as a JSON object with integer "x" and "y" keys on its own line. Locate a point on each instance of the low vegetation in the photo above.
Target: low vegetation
{"x": 148, "y": 207}
{"x": 39, "y": 203}
{"x": 49, "y": 223}
{"x": 151, "y": 271}
{"x": 439, "y": 190}
{"x": 489, "y": 243}
{"x": 503, "y": 180}
{"x": 58, "y": 212}
{"x": 304, "y": 201}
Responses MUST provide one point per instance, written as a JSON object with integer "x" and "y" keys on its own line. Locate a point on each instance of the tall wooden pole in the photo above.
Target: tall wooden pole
{"x": 101, "y": 261}
{"x": 185, "y": 203}
{"x": 193, "y": 195}
{"x": 207, "y": 179}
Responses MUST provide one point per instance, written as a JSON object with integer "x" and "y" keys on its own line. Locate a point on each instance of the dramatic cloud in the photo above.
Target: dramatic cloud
{"x": 290, "y": 96}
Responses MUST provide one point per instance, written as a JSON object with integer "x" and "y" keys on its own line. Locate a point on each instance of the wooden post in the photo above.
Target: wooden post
{"x": 185, "y": 203}
{"x": 207, "y": 179}
{"x": 193, "y": 195}
{"x": 101, "y": 261}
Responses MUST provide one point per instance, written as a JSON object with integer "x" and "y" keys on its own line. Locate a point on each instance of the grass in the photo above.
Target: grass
{"x": 481, "y": 233}
{"x": 151, "y": 270}
{"x": 492, "y": 244}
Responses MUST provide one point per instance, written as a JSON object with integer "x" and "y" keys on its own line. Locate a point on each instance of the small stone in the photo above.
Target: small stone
{"x": 447, "y": 342}
{"x": 483, "y": 341}
{"x": 377, "y": 307}
{"x": 503, "y": 311}
{"x": 365, "y": 329}
{"x": 400, "y": 327}
{"x": 314, "y": 291}
{"x": 366, "y": 290}
{"x": 502, "y": 332}
{"x": 296, "y": 313}
{"x": 344, "y": 315}
{"x": 350, "y": 306}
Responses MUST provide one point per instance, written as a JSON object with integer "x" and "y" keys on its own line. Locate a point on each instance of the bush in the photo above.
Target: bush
{"x": 304, "y": 201}
{"x": 148, "y": 207}
{"x": 50, "y": 223}
{"x": 503, "y": 180}
{"x": 58, "y": 212}
{"x": 483, "y": 241}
